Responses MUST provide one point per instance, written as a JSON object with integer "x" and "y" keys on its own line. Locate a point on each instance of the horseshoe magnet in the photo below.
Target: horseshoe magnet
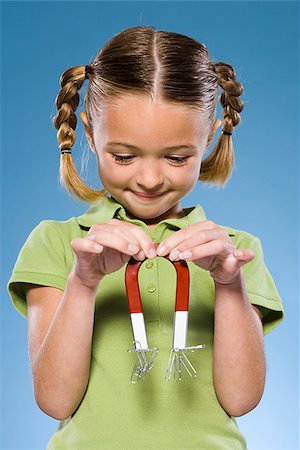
{"x": 178, "y": 361}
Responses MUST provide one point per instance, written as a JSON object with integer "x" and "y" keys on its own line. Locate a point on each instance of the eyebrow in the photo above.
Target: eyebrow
{"x": 175, "y": 147}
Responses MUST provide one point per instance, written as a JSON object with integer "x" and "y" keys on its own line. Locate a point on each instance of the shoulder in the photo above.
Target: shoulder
{"x": 59, "y": 228}
{"x": 52, "y": 237}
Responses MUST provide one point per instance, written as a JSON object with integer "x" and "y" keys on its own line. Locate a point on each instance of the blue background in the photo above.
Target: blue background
{"x": 260, "y": 39}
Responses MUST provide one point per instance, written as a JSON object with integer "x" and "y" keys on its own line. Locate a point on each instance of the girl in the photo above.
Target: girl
{"x": 149, "y": 119}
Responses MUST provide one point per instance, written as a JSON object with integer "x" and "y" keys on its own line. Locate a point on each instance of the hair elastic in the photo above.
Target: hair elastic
{"x": 65, "y": 150}
{"x": 226, "y": 132}
{"x": 86, "y": 72}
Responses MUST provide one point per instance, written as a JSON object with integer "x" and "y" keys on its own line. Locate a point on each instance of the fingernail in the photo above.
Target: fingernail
{"x": 185, "y": 254}
{"x": 238, "y": 253}
{"x": 132, "y": 248}
{"x": 161, "y": 250}
{"x": 174, "y": 255}
{"x": 140, "y": 256}
{"x": 91, "y": 237}
{"x": 152, "y": 253}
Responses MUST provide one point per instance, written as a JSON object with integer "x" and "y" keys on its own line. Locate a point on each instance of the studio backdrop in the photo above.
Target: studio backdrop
{"x": 40, "y": 40}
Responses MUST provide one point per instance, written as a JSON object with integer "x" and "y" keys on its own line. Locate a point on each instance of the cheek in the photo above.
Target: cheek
{"x": 189, "y": 175}
{"x": 187, "y": 179}
{"x": 113, "y": 173}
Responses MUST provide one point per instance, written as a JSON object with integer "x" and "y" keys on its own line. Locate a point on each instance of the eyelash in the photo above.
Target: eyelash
{"x": 176, "y": 159}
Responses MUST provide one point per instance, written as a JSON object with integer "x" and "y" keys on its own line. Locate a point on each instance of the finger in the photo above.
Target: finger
{"x": 181, "y": 236}
{"x": 82, "y": 246}
{"x": 244, "y": 254}
{"x": 145, "y": 243}
{"x": 129, "y": 240}
{"x": 125, "y": 244}
{"x": 200, "y": 238}
{"x": 215, "y": 247}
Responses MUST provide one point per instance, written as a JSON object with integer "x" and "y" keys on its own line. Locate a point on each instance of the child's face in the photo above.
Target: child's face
{"x": 149, "y": 168}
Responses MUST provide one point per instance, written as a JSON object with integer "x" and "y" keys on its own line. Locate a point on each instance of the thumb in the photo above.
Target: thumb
{"x": 243, "y": 255}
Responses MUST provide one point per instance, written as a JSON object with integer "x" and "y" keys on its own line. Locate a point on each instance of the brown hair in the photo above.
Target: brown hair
{"x": 164, "y": 65}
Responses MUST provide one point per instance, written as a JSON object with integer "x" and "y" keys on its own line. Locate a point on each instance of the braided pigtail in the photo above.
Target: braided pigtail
{"x": 65, "y": 122}
{"x": 217, "y": 167}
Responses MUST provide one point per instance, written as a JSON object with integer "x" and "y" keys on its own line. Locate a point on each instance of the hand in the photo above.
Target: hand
{"x": 113, "y": 238}
{"x": 210, "y": 247}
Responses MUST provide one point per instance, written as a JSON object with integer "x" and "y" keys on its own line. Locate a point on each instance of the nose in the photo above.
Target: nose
{"x": 150, "y": 177}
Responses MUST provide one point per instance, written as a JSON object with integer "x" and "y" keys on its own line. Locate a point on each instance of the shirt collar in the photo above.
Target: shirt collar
{"x": 108, "y": 208}
{"x": 101, "y": 212}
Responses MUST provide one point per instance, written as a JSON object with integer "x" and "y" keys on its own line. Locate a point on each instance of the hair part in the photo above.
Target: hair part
{"x": 161, "y": 65}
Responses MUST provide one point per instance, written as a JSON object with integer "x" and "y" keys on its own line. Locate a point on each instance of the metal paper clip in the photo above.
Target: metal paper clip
{"x": 179, "y": 362}
{"x": 144, "y": 363}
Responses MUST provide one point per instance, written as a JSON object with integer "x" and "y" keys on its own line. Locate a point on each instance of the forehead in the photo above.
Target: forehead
{"x": 138, "y": 119}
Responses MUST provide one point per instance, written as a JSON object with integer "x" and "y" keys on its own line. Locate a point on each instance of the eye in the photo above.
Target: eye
{"x": 122, "y": 159}
{"x": 178, "y": 159}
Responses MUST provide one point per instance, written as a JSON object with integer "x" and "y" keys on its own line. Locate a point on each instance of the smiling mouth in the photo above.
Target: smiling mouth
{"x": 142, "y": 195}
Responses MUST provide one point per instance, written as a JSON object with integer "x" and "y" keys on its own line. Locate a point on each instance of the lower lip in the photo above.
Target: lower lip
{"x": 143, "y": 197}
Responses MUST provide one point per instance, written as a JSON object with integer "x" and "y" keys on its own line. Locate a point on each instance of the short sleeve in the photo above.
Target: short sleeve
{"x": 41, "y": 261}
{"x": 261, "y": 288}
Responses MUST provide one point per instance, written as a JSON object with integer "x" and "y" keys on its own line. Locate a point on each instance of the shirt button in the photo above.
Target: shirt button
{"x": 149, "y": 264}
{"x": 151, "y": 288}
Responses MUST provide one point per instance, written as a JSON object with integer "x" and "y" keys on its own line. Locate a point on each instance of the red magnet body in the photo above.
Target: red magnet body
{"x": 133, "y": 291}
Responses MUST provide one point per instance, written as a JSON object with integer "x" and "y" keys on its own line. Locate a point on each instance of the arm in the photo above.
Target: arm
{"x": 239, "y": 360}
{"x": 61, "y": 349}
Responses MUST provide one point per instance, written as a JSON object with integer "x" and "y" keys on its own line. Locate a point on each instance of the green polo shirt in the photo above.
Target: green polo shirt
{"x": 154, "y": 413}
